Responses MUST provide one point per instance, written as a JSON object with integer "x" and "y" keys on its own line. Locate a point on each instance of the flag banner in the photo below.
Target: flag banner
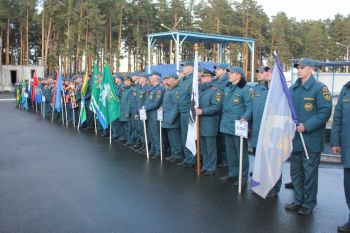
{"x": 109, "y": 104}
{"x": 58, "y": 93}
{"x": 35, "y": 86}
{"x": 192, "y": 125}
{"x": 39, "y": 94}
{"x": 95, "y": 92}
{"x": 24, "y": 97}
{"x": 276, "y": 134}
{"x": 82, "y": 112}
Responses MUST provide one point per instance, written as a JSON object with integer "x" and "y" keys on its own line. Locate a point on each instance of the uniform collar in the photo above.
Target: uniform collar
{"x": 307, "y": 85}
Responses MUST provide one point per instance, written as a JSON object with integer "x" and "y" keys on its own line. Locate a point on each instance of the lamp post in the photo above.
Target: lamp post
{"x": 347, "y": 53}
{"x": 172, "y": 29}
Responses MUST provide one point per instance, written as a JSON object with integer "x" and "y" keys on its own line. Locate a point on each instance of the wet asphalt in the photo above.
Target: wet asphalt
{"x": 56, "y": 179}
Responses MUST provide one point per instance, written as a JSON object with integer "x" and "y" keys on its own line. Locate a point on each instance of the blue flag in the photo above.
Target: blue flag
{"x": 39, "y": 94}
{"x": 276, "y": 134}
{"x": 58, "y": 93}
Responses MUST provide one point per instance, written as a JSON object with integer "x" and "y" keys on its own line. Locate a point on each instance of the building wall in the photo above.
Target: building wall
{"x": 23, "y": 72}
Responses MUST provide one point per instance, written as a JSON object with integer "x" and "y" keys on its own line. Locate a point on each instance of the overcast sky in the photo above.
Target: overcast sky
{"x": 306, "y": 9}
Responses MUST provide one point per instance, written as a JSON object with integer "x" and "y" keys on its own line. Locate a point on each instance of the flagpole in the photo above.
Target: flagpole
{"x": 62, "y": 115}
{"x": 110, "y": 133}
{"x": 65, "y": 106}
{"x": 302, "y": 140}
{"x": 240, "y": 165}
{"x": 198, "y": 147}
{"x": 146, "y": 141}
{"x": 95, "y": 123}
{"x": 53, "y": 111}
{"x": 161, "y": 140}
{"x": 44, "y": 108}
{"x": 73, "y": 117}
{"x": 78, "y": 126}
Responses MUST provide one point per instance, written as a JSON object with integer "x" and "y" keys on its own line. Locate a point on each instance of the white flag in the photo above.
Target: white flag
{"x": 276, "y": 134}
{"x": 192, "y": 125}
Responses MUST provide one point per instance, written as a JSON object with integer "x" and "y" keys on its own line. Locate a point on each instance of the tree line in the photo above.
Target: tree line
{"x": 74, "y": 33}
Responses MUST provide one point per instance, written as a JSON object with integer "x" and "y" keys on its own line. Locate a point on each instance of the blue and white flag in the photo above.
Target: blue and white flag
{"x": 192, "y": 125}
{"x": 58, "y": 93}
{"x": 276, "y": 134}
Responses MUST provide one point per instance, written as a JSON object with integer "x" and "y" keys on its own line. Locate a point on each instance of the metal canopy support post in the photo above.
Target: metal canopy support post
{"x": 333, "y": 80}
{"x": 149, "y": 53}
{"x": 177, "y": 47}
{"x": 221, "y": 52}
{"x": 251, "y": 47}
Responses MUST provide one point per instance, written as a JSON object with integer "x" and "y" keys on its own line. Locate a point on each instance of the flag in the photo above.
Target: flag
{"x": 83, "y": 93}
{"x": 109, "y": 104}
{"x": 58, "y": 93}
{"x": 35, "y": 86}
{"x": 192, "y": 125}
{"x": 276, "y": 134}
{"x": 24, "y": 98}
{"x": 95, "y": 92}
{"x": 38, "y": 95}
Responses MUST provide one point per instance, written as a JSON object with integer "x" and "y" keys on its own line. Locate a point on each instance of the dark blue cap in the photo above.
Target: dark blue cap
{"x": 187, "y": 63}
{"x": 221, "y": 66}
{"x": 205, "y": 71}
{"x": 305, "y": 62}
{"x": 173, "y": 75}
{"x": 144, "y": 75}
{"x": 237, "y": 69}
{"x": 155, "y": 73}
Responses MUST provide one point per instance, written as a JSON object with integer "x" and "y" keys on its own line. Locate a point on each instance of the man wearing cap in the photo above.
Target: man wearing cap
{"x": 210, "y": 100}
{"x": 185, "y": 90}
{"x": 140, "y": 102}
{"x": 134, "y": 111}
{"x": 236, "y": 106}
{"x": 220, "y": 82}
{"x": 171, "y": 117}
{"x": 153, "y": 102}
{"x": 125, "y": 110}
{"x": 340, "y": 142}
{"x": 118, "y": 84}
{"x": 313, "y": 105}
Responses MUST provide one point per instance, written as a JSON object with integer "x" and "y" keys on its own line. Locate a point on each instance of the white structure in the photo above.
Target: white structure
{"x": 11, "y": 74}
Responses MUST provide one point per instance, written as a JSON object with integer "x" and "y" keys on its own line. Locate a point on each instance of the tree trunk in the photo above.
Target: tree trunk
{"x": 27, "y": 37}
{"x": 47, "y": 44}
{"x": 43, "y": 38}
{"x": 77, "y": 57}
{"x": 110, "y": 47}
{"x": 21, "y": 47}
{"x": 119, "y": 38}
{"x": 129, "y": 58}
{"x": 7, "y": 43}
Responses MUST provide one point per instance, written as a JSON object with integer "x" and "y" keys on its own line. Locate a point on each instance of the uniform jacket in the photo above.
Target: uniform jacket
{"x": 340, "y": 134}
{"x": 259, "y": 95}
{"x": 185, "y": 90}
{"x": 171, "y": 113}
{"x": 313, "y": 106}
{"x": 236, "y": 105}
{"x": 125, "y": 103}
{"x": 210, "y": 101}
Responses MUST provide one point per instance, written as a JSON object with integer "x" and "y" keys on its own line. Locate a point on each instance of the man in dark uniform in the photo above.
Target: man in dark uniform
{"x": 340, "y": 142}
{"x": 313, "y": 106}
{"x": 210, "y": 100}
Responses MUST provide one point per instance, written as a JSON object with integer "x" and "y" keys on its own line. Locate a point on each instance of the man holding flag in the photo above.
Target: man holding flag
{"x": 313, "y": 104}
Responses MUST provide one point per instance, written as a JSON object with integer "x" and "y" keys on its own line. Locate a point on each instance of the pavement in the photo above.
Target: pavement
{"x": 56, "y": 179}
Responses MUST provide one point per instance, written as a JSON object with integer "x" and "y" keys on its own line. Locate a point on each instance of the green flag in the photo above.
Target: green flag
{"x": 109, "y": 104}
{"x": 83, "y": 93}
{"x": 95, "y": 93}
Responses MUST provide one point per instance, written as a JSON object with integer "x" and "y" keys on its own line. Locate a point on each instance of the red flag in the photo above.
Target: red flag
{"x": 35, "y": 86}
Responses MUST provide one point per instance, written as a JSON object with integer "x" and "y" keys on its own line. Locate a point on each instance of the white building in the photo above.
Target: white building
{"x": 11, "y": 74}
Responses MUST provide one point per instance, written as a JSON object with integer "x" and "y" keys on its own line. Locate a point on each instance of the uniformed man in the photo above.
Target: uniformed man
{"x": 236, "y": 106}
{"x": 118, "y": 84}
{"x": 340, "y": 142}
{"x": 313, "y": 106}
{"x": 210, "y": 100}
{"x": 220, "y": 82}
{"x": 125, "y": 110}
{"x": 140, "y": 103}
{"x": 185, "y": 90}
{"x": 171, "y": 117}
{"x": 153, "y": 102}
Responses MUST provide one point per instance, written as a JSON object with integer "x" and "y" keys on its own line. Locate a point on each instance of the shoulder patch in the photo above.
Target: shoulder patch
{"x": 218, "y": 97}
{"x": 326, "y": 94}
